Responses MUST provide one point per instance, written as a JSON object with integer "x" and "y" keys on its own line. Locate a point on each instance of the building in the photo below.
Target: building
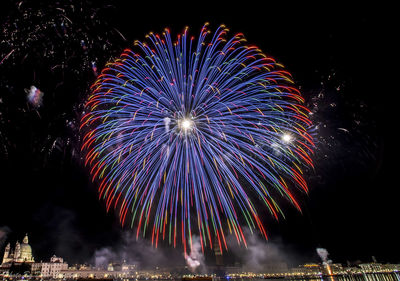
{"x": 308, "y": 269}
{"x": 21, "y": 257}
{"x": 218, "y": 254}
{"x": 50, "y": 269}
{"x": 337, "y": 268}
{"x": 21, "y": 253}
{"x": 113, "y": 271}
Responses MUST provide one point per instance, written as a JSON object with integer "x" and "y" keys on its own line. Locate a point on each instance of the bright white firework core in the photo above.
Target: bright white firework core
{"x": 186, "y": 124}
{"x": 287, "y": 138}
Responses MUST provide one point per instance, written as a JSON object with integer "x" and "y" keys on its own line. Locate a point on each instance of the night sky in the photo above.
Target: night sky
{"x": 333, "y": 54}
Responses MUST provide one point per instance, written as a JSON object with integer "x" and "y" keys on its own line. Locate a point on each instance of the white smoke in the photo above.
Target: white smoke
{"x": 196, "y": 257}
{"x": 104, "y": 256}
{"x": 260, "y": 253}
{"x": 323, "y": 254}
{"x": 4, "y": 230}
{"x": 139, "y": 252}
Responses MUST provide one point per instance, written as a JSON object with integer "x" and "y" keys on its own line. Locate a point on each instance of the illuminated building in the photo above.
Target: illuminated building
{"x": 50, "y": 269}
{"x": 22, "y": 253}
{"x": 336, "y": 268}
{"x": 307, "y": 269}
{"x": 113, "y": 271}
{"x": 371, "y": 267}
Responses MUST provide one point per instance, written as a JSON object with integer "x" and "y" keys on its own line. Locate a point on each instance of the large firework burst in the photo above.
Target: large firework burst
{"x": 190, "y": 136}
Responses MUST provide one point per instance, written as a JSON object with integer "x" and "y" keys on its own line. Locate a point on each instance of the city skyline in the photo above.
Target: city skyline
{"x": 57, "y": 267}
{"x": 254, "y": 257}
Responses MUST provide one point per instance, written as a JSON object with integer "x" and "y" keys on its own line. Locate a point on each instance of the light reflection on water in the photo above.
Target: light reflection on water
{"x": 393, "y": 276}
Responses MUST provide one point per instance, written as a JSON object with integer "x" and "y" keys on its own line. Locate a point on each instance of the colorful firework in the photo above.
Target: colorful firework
{"x": 189, "y": 137}
{"x": 34, "y": 96}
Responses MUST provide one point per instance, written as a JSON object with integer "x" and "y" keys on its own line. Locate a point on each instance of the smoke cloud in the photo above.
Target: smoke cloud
{"x": 261, "y": 255}
{"x": 196, "y": 258}
{"x": 104, "y": 256}
{"x": 4, "y": 230}
{"x": 323, "y": 254}
{"x": 139, "y": 252}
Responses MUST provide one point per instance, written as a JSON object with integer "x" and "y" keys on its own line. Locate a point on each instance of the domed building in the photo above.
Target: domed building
{"x": 26, "y": 251}
{"x": 22, "y": 252}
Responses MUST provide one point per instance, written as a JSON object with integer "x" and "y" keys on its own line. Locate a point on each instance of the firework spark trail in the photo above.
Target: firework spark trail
{"x": 6, "y": 57}
{"x": 184, "y": 136}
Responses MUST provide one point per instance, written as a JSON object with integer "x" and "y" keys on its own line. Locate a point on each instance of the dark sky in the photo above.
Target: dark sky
{"x": 333, "y": 52}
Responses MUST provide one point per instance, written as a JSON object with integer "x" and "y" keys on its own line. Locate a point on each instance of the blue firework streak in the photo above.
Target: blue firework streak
{"x": 184, "y": 137}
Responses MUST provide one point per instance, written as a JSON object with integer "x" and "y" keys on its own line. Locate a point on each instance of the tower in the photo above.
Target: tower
{"x": 17, "y": 251}
{"x": 218, "y": 254}
{"x": 6, "y": 256}
{"x": 25, "y": 241}
{"x": 219, "y": 262}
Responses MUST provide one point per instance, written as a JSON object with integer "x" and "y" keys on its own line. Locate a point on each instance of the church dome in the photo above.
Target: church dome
{"x": 22, "y": 252}
{"x": 26, "y": 250}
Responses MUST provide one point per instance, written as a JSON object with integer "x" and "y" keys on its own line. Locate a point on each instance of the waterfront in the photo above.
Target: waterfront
{"x": 389, "y": 276}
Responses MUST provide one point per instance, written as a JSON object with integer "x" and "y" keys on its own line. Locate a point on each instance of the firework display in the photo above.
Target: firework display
{"x": 47, "y": 52}
{"x": 34, "y": 96}
{"x": 197, "y": 136}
